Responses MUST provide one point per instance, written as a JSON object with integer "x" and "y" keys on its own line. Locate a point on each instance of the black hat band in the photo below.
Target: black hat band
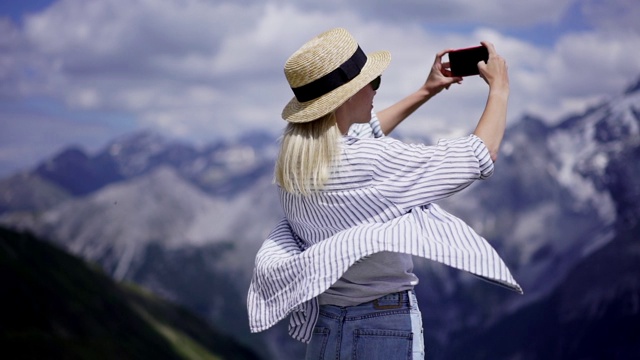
{"x": 333, "y": 80}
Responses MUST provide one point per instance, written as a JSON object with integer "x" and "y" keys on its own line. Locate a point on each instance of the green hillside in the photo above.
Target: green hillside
{"x": 55, "y": 306}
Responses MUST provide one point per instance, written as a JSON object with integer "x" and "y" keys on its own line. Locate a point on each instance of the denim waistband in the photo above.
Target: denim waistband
{"x": 400, "y": 299}
{"x": 393, "y": 301}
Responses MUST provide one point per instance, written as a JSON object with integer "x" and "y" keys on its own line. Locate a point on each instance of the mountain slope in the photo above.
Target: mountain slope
{"x": 114, "y": 225}
{"x": 76, "y": 172}
{"x": 30, "y": 192}
{"x": 594, "y": 313}
{"x": 54, "y": 306}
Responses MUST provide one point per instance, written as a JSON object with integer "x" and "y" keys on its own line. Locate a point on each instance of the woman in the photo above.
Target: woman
{"x": 358, "y": 205}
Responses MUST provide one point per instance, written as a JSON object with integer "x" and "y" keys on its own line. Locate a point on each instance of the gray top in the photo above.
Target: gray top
{"x": 374, "y": 276}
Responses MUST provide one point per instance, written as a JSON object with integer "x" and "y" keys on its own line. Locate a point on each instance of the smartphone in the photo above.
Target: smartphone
{"x": 464, "y": 62}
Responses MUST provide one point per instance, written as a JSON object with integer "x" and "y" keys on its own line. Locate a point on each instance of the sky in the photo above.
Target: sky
{"x": 85, "y": 72}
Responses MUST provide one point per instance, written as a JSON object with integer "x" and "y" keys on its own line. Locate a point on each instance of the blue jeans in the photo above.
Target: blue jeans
{"x": 387, "y": 328}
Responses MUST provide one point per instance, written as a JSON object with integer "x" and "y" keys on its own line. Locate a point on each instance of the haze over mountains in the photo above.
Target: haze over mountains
{"x": 563, "y": 209}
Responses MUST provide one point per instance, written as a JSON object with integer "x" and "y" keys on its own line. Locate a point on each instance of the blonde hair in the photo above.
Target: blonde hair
{"x": 307, "y": 152}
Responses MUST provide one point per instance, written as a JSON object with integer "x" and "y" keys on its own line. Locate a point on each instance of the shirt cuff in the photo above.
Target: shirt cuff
{"x": 485, "y": 164}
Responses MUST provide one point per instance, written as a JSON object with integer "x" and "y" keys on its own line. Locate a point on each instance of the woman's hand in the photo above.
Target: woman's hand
{"x": 440, "y": 76}
{"x": 495, "y": 71}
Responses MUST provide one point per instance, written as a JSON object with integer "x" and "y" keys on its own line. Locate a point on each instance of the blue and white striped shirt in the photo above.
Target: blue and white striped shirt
{"x": 381, "y": 199}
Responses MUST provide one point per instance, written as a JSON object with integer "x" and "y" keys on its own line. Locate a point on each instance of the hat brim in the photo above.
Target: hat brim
{"x": 299, "y": 112}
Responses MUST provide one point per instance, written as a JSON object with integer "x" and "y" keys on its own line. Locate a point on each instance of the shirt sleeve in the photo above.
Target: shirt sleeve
{"x": 415, "y": 175}
{"x": 368, "y": 130}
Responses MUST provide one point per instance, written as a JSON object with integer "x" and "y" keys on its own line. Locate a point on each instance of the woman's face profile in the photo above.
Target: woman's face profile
{"x": 361, "y": 104}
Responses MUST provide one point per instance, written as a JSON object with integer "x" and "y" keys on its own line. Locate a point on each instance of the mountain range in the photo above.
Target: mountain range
{"x": 186, "y": 222}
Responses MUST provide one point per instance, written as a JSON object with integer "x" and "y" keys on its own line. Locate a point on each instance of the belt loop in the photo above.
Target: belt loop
{"x": 411, "y": 298}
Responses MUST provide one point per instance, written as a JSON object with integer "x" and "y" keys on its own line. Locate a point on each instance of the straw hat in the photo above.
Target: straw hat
{"x": 326, "y": 71}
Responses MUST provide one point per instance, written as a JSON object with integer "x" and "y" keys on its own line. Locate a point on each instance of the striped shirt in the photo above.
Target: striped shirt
{"x": 380, "y": 199}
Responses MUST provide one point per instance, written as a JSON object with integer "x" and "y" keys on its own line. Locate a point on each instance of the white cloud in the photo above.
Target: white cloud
{"x": 452, "y": 12}
{"x": 205, "y": 69}
{"x": 581, "y": 69}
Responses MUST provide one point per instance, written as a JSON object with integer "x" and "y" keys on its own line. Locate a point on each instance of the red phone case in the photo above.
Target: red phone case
{"x": 464, "y": 62}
